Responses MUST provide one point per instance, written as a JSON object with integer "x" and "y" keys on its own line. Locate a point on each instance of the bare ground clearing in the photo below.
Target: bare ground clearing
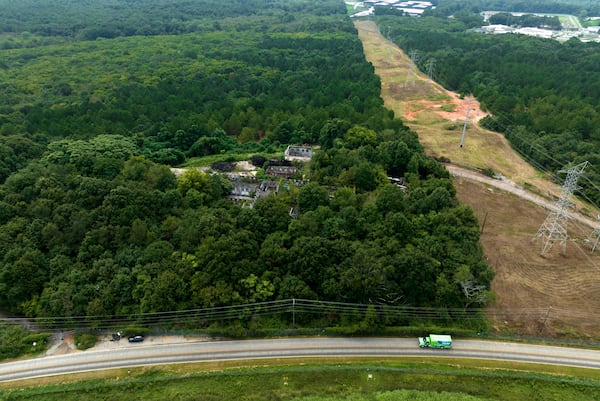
{"x": 550, "y": 295}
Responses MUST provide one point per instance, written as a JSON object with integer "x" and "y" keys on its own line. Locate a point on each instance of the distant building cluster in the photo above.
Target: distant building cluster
{"x": 571, "y": 30}
{"x": 413, "y": 8}
{"x": 498, "y": 29}
{"x": 585, "y": 35}
{"x": 247, "y": 189}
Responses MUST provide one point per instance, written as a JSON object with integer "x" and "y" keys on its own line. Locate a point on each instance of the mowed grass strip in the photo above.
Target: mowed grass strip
{"x": 344, "y": 379}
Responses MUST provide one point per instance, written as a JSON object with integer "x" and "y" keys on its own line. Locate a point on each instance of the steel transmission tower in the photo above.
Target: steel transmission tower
{"x": 412, "y": 72}
{"x": 430, "y": 68}
{"x": 554, "y": 228}
{"x": 388, "y": 45}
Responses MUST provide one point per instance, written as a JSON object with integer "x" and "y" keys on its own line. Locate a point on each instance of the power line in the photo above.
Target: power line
{"x": 544, "y": 154}
{"x": 287, "y": 306}
{"x": 553, "y": 227}
{"x": 439, "y": 77}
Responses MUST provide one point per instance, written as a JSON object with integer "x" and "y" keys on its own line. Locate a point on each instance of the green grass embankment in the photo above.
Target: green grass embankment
{"x": 313, "y": 380}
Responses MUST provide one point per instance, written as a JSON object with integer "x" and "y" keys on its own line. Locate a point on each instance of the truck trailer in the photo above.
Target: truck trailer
{"x": 441, "y": 341}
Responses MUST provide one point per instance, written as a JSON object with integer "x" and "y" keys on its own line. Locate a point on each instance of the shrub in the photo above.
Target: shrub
{"x": 85, "y": 340}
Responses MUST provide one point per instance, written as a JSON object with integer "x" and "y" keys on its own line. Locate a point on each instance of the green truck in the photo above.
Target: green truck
{"x": 441, "y": 341}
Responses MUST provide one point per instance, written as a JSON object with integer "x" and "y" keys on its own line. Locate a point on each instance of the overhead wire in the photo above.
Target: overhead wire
{"x": 198, "y": 317}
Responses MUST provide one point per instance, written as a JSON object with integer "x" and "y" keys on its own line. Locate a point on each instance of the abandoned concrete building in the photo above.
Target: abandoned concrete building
{"x": 301, "y": 153}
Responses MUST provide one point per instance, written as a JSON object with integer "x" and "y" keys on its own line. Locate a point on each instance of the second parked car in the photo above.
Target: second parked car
{"x": 136, "y": 339}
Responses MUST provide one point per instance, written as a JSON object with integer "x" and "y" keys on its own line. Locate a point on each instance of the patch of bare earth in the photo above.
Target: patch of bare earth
{"x": 553, "y": 294}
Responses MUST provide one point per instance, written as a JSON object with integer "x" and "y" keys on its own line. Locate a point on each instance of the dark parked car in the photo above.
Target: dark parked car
{"x": 136, "y": 339}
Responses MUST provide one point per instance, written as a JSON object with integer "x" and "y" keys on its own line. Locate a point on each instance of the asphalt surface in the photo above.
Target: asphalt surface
{"x": 143, "y": 354}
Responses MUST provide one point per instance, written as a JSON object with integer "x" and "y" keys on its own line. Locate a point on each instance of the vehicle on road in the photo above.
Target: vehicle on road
{"x": 136, "y": 339}
{"x": 440, "y": 341}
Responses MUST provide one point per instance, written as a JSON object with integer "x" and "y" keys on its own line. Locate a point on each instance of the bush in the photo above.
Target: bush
{"x": 16, "y": 341}
{"x": 134, "y": 331}
{"x": 85, "y": 340}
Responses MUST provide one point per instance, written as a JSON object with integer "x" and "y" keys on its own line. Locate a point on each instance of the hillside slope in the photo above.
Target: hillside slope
{"x": 550, "y": 295}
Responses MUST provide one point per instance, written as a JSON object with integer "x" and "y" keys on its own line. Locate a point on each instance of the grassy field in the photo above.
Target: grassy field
{"x": 344, "y": 379}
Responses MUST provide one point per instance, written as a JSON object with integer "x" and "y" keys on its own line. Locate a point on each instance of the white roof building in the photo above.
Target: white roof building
{"x": 302, "y": 153}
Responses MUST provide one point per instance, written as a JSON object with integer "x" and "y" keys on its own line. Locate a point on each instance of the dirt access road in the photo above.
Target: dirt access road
{"x": 551, "y": 295}
{"x": 507, "y": 185}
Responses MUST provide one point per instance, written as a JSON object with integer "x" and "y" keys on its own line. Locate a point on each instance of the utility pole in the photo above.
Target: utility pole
{"x": 462, "y": 137}
{"x": 554, "y": 228}
{"x": 483, "y": 224}
{"x": 294, "y": 312}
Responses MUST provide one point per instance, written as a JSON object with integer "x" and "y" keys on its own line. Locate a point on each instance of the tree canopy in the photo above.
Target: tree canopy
{"x": 94, "y": 223}
{"x": 180, "y": 79}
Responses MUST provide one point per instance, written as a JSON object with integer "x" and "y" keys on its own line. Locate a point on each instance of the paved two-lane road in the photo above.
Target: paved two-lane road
{"x": 142, "y": 354}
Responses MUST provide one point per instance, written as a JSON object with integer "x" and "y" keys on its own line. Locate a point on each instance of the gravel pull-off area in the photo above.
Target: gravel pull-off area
{"x": 61, "y": 344}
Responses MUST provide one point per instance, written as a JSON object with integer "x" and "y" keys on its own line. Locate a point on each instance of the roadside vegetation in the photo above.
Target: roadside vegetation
{"x": 16, "y": 341}
{"x": 356, "y": 380}
{"x": 84, "y": 341}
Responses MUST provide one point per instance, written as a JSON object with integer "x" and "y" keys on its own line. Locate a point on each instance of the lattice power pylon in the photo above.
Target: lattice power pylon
{"x": 430, "y": 68}
{"x": 554, "y": 228}
{"x": 412, "y": 71}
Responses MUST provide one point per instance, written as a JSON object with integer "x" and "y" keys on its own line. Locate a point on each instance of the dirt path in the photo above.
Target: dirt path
{"x": 509, "y": 186}
{"x": 541, "y": 295}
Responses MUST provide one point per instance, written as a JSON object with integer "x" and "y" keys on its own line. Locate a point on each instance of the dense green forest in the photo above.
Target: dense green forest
{"x": 544, "y": 95}
{"x": 77, "y": 243}
{"x": 93, "y": 222}
{"x": 263, "y": 74}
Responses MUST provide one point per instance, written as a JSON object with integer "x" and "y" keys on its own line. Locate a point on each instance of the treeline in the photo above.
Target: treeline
{"x": 246, "y": 84}
{"x": 543, "y": 94}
